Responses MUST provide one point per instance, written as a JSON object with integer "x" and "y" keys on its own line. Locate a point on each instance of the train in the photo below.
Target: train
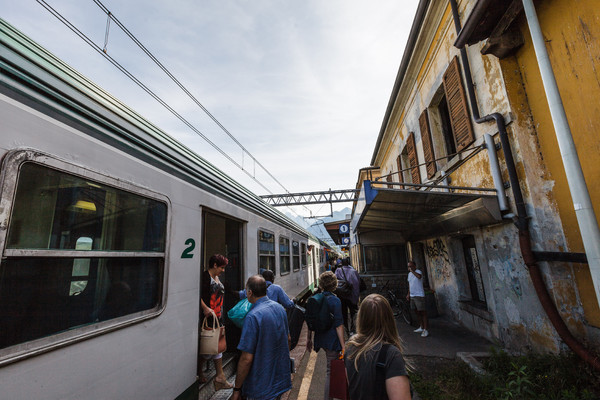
{"x": 106, "y": 223}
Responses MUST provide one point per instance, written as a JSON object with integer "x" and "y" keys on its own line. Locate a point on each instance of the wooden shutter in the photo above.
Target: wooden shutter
{"x": 400, "y": 177}
{"x": 427, "y": 144}
{"x": 389, "y": 179}
{"x": 458, "y": 106}
{"x": 411, "y": 149}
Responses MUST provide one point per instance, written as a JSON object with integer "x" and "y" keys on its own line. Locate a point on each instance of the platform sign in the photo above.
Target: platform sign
{"x": 344, "y": 229}
{"x": 346, "y": 241}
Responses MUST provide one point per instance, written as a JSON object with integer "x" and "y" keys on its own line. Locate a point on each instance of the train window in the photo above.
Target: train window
{"x": 303, "y": 255}
{"x": 78, "y": 253}
{"x": 266, "y": 251}
{"x": 295, "y": 256}
{"x": 284, "y": 255}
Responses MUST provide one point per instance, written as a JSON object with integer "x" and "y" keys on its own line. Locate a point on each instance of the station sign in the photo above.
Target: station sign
{"x": 344, "y": 229}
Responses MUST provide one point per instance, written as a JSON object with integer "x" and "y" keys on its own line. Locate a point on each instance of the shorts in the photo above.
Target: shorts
{"x": 212, "y": 356}
{"x": 417, "y": 303}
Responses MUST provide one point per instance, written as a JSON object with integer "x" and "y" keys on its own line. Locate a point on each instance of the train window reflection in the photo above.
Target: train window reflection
{"x": 284, "y": 255}
{"x": 266, "y": 250}
{"x": 78, "y": 253}
{"x": 52, "y": 210}
{"x": 36, "y": 300}
{"x": 296, "y": 255}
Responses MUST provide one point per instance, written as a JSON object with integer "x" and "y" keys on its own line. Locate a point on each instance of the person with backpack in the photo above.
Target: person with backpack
{"x": 348, "y": 291}
{"x": 324, "y": 318}
{"x": 374, "y": 363}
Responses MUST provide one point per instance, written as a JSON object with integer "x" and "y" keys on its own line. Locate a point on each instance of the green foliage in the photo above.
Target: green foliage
{"x": 527, "y": 377}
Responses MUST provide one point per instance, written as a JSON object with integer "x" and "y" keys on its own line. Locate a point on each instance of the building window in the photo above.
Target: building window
{"x": 410, "y": 162}
{"x": 303, "y": 260}
{"x": 390, "y": 258}
{"x": 457, "y": 106}
{"x": 284, "y": 255}
{"x": 78, "y": 252}
{"x": 266, "y": 251}
{"x": 473, "y": 270}
{"x": 295, "y": 255}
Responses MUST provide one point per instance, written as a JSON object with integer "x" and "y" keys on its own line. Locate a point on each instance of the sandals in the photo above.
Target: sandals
{"x": 222, "y": 385}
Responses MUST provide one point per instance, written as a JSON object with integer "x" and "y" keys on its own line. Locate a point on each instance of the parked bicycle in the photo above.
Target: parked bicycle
{"x": 400, "y": 307}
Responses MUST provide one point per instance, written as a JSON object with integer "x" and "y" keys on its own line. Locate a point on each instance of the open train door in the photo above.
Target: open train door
{"x": 223, "y": 235}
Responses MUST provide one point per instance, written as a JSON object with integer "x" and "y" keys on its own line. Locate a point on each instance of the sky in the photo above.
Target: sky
{"x": 302, "y": 85}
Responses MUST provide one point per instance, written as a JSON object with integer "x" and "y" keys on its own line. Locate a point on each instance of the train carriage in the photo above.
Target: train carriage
{"x": 105, "y": 225}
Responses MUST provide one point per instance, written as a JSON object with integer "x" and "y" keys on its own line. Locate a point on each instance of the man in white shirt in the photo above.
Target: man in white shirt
{"x": 416, "y": 294}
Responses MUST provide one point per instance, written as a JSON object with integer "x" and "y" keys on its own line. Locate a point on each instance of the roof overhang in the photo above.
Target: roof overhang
{"x": 421, "y": 214}
{"x": 492, "y": 20}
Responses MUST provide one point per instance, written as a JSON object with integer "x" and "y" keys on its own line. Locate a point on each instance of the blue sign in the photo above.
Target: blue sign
{"x": 346, "y": 240}
{"x": 344, "y": 229}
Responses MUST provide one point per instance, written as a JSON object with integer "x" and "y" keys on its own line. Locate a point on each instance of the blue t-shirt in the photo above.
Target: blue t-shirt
{"x": 265, "y": 334}
{"x": 329, "y": 340}
{"x": 275, "y": 293}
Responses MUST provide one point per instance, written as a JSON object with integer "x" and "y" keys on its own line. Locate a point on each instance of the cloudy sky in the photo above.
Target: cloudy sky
{"x": 303, "y": 85}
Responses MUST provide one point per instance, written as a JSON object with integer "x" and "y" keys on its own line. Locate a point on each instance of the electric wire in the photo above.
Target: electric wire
{"x": 145, "y": 88}
{"x": 182, "y": 87}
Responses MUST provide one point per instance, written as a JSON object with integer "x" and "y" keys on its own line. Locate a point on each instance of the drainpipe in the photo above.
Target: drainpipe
{"x": 586, "y": 218}
{"x": 522, "y": 222}
{"x": 495, "y": 170}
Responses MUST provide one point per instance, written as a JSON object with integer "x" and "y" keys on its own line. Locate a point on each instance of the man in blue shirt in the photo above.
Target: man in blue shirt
{"x": 274, "y": 292}
{"x": 263, "y": 371}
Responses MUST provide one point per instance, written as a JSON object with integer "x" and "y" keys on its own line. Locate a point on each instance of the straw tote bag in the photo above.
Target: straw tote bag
{"x": 212, "y": 338}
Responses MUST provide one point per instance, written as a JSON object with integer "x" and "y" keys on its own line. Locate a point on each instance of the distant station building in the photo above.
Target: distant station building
{"x": 468, "y": 180}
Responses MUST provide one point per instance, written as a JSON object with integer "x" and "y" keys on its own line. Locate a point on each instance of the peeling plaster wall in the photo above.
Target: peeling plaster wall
{"x": 514, "y": 315}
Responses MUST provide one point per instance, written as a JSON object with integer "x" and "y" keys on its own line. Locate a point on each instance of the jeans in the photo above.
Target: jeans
{"x": 330, "y": 355}
{"x": 353, "y": 308}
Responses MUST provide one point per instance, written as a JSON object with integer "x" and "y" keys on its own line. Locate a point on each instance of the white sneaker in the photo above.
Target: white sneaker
{"x": 419, "y": 330}
{"x": 425, "y": 333}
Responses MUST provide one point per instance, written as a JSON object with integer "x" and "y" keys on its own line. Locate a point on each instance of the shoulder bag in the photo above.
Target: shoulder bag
{"x": 212, "y": 338}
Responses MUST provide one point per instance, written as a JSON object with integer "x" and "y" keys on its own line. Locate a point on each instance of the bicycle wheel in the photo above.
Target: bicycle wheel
{"x": 405, "y": 312}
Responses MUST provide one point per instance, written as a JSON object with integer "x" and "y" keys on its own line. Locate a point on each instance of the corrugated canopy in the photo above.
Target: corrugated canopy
{"x": 420, "y": 214}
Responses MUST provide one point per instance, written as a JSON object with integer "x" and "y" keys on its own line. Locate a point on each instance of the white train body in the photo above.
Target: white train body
{"x": 83, "y": 142}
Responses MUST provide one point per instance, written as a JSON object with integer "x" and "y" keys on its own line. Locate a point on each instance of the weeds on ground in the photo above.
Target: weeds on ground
{"x": 528, "y": 377}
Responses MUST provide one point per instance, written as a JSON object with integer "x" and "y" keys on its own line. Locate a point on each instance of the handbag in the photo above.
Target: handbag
{"x": 338, "y": 380}
{"x": 212, "y": 338}
{"x": 238, "y": 313}
{"x": 344, "y": 288}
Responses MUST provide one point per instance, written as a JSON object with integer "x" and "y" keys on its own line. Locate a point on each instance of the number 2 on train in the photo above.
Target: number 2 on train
{"x": 187, "y": 253}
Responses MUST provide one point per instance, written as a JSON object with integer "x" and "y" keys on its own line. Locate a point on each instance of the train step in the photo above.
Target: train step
{"x": 207, "y": 389}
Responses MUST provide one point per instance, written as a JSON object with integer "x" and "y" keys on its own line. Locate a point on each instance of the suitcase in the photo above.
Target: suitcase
{"x": 295, "y": 322}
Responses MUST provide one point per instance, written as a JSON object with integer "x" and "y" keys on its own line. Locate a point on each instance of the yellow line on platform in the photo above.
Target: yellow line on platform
{"x": 307, "y": 379}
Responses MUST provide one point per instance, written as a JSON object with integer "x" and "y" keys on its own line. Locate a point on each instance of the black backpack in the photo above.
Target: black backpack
{"x": 317, "y": 316}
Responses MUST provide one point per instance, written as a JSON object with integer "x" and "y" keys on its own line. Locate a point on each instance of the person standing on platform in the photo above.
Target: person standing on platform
{"x": 263, "y": 371}
{"x": 416, "y": 294}
{"x": 331, "y": 340}
{"x": 347, "y": 273}
{"x": 274, "y": 292}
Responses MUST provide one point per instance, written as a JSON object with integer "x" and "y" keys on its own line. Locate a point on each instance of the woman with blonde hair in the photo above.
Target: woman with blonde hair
{"x": 373, "y": 359}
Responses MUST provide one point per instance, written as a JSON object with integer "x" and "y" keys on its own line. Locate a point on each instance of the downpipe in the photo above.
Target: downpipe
{"x": 522, "y": 222}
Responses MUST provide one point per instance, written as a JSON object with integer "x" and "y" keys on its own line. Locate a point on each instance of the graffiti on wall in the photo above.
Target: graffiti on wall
{"x": 437, "y": 253}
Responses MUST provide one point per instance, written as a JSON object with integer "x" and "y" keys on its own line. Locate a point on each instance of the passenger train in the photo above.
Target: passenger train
{"x": 105, "y": 225}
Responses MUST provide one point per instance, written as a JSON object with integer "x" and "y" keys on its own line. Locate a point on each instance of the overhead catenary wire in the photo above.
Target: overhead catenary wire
{"x": 183, "y": 88}
{"x": 145, "y": 88}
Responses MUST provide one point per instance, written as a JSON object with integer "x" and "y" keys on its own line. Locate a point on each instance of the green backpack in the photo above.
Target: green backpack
{"x": 317, "y": 316}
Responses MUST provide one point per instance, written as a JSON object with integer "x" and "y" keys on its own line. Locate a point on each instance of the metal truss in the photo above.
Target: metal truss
{"x": 296, "y": 199}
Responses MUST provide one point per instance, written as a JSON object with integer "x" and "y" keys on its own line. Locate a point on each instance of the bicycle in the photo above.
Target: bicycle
{"x": 400, "y": 307}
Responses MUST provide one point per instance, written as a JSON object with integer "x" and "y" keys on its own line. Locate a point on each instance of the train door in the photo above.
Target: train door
{"x": 223, "y": 235}
{"x": 315, "y": 266}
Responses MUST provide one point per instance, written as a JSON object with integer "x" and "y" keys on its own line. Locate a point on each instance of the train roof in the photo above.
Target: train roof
{"x": 24, "y": 63}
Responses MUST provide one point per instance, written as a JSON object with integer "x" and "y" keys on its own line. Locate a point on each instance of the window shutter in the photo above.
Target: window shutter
{"x": 411, "y": 149}
{"x": 400, "y": 177}
{"x": 389, "y": 179}
{"x": 427, "y": 144}
{"x": 458, "y": 106}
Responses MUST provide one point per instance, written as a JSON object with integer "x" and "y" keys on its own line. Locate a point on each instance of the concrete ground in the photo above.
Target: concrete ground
{"x": 425, "y": 355}
{"x": 446, "y": 343}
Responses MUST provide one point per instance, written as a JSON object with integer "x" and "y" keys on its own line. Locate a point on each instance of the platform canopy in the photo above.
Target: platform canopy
{"x": 419, "y": 214}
